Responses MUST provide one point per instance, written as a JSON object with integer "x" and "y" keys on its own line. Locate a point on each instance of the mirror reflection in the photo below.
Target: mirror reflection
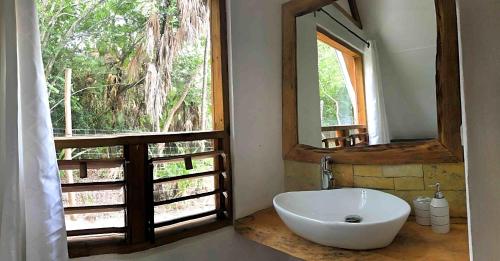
{"x": 366, "y": 73}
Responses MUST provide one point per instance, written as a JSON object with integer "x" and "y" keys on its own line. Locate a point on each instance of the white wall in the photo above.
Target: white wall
{"x": 308, "y": 99}
{"x": 405, "y": 31}
{"x": 480, "y": 39}
{"x": 255, "y": 39}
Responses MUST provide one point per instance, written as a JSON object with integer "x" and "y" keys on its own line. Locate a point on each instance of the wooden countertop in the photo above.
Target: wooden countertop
{"x": 414, "y": 242}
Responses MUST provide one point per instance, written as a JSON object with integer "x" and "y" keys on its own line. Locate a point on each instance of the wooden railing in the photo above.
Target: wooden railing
{"x": 345, "y": 136}
{"x": 138, "y": 185}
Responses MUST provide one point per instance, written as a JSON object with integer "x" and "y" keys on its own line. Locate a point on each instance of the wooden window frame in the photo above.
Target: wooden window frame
{"x": 355, "y": 69}
{"x": 139, "y": 233}
{"x": 446, "y": 148}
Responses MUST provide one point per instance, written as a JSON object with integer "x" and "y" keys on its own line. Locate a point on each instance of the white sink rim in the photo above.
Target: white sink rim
{"x": 276, "y": 205}
{"x": 310, "y": 215}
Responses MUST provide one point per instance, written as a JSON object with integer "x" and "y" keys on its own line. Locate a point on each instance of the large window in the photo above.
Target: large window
{"x": 341, "y": 88}
{"x": 127, "y": 65}
{"x": 138, "y": 98}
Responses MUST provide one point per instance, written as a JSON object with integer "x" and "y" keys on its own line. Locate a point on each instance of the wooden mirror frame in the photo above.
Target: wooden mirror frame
{"x": 446, "y": 148}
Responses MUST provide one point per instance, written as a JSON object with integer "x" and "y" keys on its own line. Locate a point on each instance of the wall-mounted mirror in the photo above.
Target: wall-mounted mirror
{"x": 369, "y": 86}
{"x": 364, "y": 80}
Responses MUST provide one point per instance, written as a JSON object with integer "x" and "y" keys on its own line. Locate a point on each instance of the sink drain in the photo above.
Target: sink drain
{"x": 353, "y": 219}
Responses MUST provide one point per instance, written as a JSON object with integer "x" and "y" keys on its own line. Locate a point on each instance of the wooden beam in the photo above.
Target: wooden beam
{"x": 355, "y": 13}
{"x": 134, "y": 139}
{"x": 186, "y": 218}
{"x": 207, "y": 154}
{"x": 353, "y": 16}
{"x": 342, "y": 127}
{"x": 95, "y": 231}
{"x": 220, "y": 82}
{"x": 448, "y": 78}
{"x": 399, "y": 153}
{"x": 106, "y": 244}
{"x": 90, "y": 164}
{"x": 187, "y": 176}
{"x": 93, "y": 209}
{"x": 290, "y": 135}
{"x": 92, "y": 186}
{"x": 200, "y": 195}
{"x": 138, "y": 191}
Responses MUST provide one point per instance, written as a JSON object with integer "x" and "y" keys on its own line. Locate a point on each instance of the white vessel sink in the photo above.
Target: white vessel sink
{"x": 320, "y": 216}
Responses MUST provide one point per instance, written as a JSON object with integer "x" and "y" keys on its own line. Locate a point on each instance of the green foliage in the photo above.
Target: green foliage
{"x": 103, "y": 43}
{"x": 177, "y": 169}
{"x": 98, "y": 40}
{"x": 333, "y": 88}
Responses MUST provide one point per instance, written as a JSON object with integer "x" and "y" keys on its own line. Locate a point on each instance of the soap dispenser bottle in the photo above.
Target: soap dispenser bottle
{"x": 440, "y": 212}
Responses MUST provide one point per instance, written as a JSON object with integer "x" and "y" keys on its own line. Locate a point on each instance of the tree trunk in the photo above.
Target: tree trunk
{"x": 177, "y": 105}
{"x": 204, "y": 96}
{"x": 337, "y": 108}
{"x": 68, "y": 132}
{"x": 69, "y": 32}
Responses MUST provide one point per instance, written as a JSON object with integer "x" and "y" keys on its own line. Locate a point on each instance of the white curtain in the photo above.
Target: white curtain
{"x": 31, "y": 211}
{"x": 349, "y": 85}
{"x": 378, "y": 130}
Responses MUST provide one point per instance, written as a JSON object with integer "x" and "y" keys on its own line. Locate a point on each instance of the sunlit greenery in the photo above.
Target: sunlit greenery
{"x": 137, "y": 66}
{"x": 110, "y": 45}
{"x": 337, "y": 106}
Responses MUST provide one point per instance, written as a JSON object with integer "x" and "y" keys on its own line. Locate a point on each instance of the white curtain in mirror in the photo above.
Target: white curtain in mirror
{"x": 348, "y": 81}
{"x": 31, "y": 209}
{"x": 378, "y": 130}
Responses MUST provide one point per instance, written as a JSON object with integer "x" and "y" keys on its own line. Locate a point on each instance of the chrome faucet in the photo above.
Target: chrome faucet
{"x": 327, "y": 177}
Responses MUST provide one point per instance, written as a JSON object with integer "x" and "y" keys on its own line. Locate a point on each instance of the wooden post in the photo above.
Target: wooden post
{"x": 220, "y": 103}
{"x": 68, "y": 132}
{"x": 342, "y": 134}
{"x": 204, "y": 96}
{"x": 139, "y": 191}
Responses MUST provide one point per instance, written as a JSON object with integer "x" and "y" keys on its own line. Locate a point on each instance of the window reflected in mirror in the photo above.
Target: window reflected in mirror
{"x": 370, "y": 85}
{"x": 342, "y": 104}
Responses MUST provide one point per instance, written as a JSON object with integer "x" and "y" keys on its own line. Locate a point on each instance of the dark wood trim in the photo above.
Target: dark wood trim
{"x": 136, "y": 177}
{"x": 187, "y": 176}
{"x": 186, "y": 218}
{"x": 94, "y": 209}
{"x": 447, "y": 148}
{"x": 354, "y": 16}
{"x": 173, "y": 200}
{"x": 206, "y": 154}
{"x": 95, "y": 245}
{"x": 355, "y": 13}
{"x": 133, "y": 139}
{"x": 448, "y": 78}
{"x": 221, "y": 104}
{"x": 79, "y": 247}
{"x": 95, "y": 231}
{"x": 400, "y": 153}
{"x": 342, "y": 127}
{"x": 90, "y": 164}
{"x": 92, "y": 186}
